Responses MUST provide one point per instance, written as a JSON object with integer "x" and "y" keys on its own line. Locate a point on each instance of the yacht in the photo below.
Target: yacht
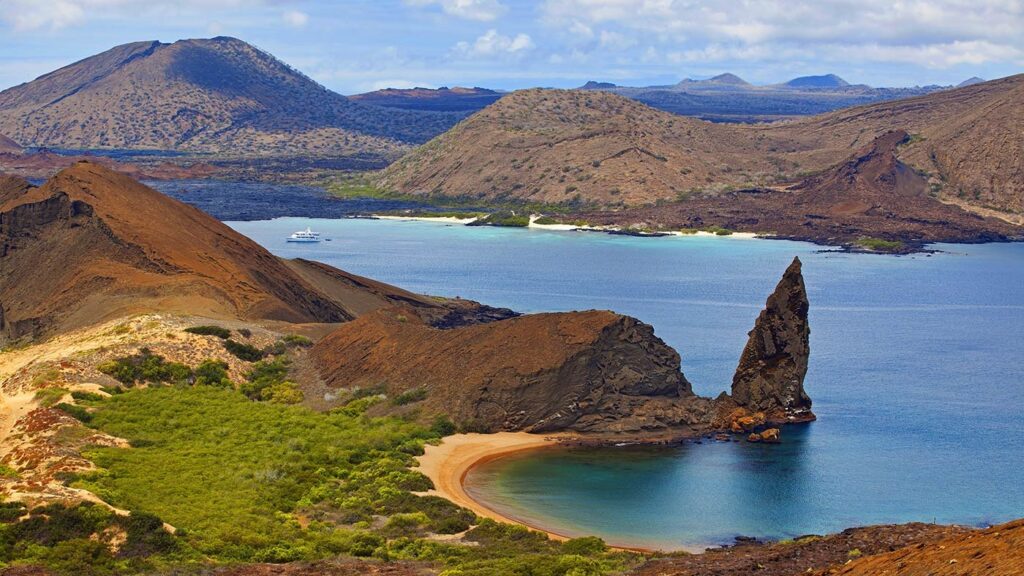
{"x": 306, "y": 235}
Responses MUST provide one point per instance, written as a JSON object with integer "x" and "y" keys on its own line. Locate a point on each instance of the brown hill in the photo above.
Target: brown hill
{"x": 586, "y": 371}
{"x": 93, "y": 244}
{"x": 219, "y": 95}
{"x": 997, "y": 551}
{"x": 565, "y": 146}
{"x": 603, "y": 149}
{"x": 593, "y": 372}
{"x": 871, "y": 195}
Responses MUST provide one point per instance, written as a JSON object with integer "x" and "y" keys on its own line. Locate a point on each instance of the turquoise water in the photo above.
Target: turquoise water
{"x": 916, "y": 376}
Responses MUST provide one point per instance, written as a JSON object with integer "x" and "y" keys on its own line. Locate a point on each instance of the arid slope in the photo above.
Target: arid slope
{"x": 92, "y": 244}
{"x": 216, "y": 95}
{"x": 607, "y": 150}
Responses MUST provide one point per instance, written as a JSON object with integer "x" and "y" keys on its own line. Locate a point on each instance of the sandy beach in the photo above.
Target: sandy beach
{"x": 443, "y": 219}
{"x": 448, "y": 463}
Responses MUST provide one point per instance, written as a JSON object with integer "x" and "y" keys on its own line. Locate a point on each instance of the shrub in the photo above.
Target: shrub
{"x": 145, "y": 367}
{"x": 75, "y": 411}
{"x": 879, "y": 244}
{"x": 410, "y": 396}
{"x": 213, "y": 373}
{"x": 219, "y": 332}
{"x": 49, "y": 396}
{"x": 263, "y": 375}
{"x": 86, "y": 396}
{"x": 586, "y": 546}
{"x": 297, "y": 341}
{"x": 545, "y": 220}
{"x": 283, "y": 393}
{"x": 243, "y": 351}
{"x": 443, "y": 426}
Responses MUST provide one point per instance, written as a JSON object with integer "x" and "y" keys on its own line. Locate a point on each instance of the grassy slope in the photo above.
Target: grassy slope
{"x": 236, "y": 477}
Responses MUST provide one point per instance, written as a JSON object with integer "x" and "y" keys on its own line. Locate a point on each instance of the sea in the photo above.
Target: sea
{"x": 916, "y": 373}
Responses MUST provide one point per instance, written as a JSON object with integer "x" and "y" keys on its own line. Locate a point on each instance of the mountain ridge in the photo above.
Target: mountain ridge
{"x": 217, "y": 95}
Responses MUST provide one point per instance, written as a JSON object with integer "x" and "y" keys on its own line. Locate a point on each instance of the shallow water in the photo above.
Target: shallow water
{"x": 915, "y": 373}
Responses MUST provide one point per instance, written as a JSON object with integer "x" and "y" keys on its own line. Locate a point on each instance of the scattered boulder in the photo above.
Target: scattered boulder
{"x": 769, "y": 436}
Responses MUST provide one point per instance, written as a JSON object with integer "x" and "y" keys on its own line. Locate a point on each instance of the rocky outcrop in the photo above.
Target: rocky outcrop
{"x": 596, "y": 373}
{"x": 770, "y": 375}
{"x": 591, "y": 372}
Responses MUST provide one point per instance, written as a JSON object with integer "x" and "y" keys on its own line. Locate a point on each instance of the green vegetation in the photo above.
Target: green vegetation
{"x": 145, "y": 366}
{"x": 410, "y": 396}
{"x": 49, "y": 396}
{"x": 219, "y": 332}
{"x": 355, "y": 186}
{"x": 879, "y": 244}
{"x": 545, "y": 221}
{"x": 213, "y": 373}
{"x": 74, "y": 540}
{"x": 6, "y": 472}
{"x": 297, "y": 341}
{"x": 245, "y": 481}
{"x": 505, "y": 218}
{"x": 243, "y": 351}
{"x": 235, "y": 476}
{"x": 75, "y": 411}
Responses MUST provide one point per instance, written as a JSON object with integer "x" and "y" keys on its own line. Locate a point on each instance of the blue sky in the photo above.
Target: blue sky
{"x": 359, "y": 45}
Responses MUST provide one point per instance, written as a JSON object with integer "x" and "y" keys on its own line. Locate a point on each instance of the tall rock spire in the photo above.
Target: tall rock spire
{"x": 770, "y": 375}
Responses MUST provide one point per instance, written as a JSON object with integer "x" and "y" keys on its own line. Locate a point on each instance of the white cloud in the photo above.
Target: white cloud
{"x": 492, "y": 44}
{"x": 29, "y": 15}
{"x": 295, "y": 19}
{"x": 932, "y": 33}
{"x": 483, "y": 10}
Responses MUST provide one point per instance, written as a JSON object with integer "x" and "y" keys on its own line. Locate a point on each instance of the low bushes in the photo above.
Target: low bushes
{"x": 219, "y": 332}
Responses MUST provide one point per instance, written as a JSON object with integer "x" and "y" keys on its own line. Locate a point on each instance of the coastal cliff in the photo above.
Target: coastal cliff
{"x": 600, "y": 375}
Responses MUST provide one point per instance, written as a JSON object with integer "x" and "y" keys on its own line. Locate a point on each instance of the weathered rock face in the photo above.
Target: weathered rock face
{"x": 593, "y": 371}
{"x": 597, "y": 373}
{"x": 770, "y": 375}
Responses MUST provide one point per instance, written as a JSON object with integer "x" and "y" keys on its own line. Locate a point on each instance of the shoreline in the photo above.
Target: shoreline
{"x": 574, "y": 228}
{"x": 448, "y": 464}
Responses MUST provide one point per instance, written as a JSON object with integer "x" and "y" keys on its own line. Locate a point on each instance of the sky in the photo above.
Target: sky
{"x": 355, "y": 46}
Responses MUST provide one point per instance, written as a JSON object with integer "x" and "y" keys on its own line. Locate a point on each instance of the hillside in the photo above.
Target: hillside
{"x": 92, "y": 244}
{"x": 601, "y": 149}
{"x": 217, "y": 95}
{"x": 8, "y": 146}
{"x": 565, "y": 146}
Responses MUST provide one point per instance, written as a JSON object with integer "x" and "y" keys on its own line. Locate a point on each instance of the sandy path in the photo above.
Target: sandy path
{"x": 448, "y": 464}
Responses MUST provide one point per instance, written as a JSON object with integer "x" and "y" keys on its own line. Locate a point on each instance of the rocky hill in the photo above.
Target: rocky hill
{"x": 217, "y": 95}
{"x": 600, "y": 149}
{"x": 823, "y": 81}
{"x": 872, "y": 195}
{"x": 591, "y": 147}
{"x": 92, "y": 244}
{"x": 596, "y": 373}
{"x": 457, "y": 99}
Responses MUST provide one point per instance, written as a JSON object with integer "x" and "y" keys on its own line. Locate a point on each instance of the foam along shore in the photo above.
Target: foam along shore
{"x": 563, "y": 227}
{"x": 448, "y": 463}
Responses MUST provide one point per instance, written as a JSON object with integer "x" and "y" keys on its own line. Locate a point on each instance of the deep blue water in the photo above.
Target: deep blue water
{"x": 916, "y": 375}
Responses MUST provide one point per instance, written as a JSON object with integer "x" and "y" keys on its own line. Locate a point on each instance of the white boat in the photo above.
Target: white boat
{"x": 306, "y": 235}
